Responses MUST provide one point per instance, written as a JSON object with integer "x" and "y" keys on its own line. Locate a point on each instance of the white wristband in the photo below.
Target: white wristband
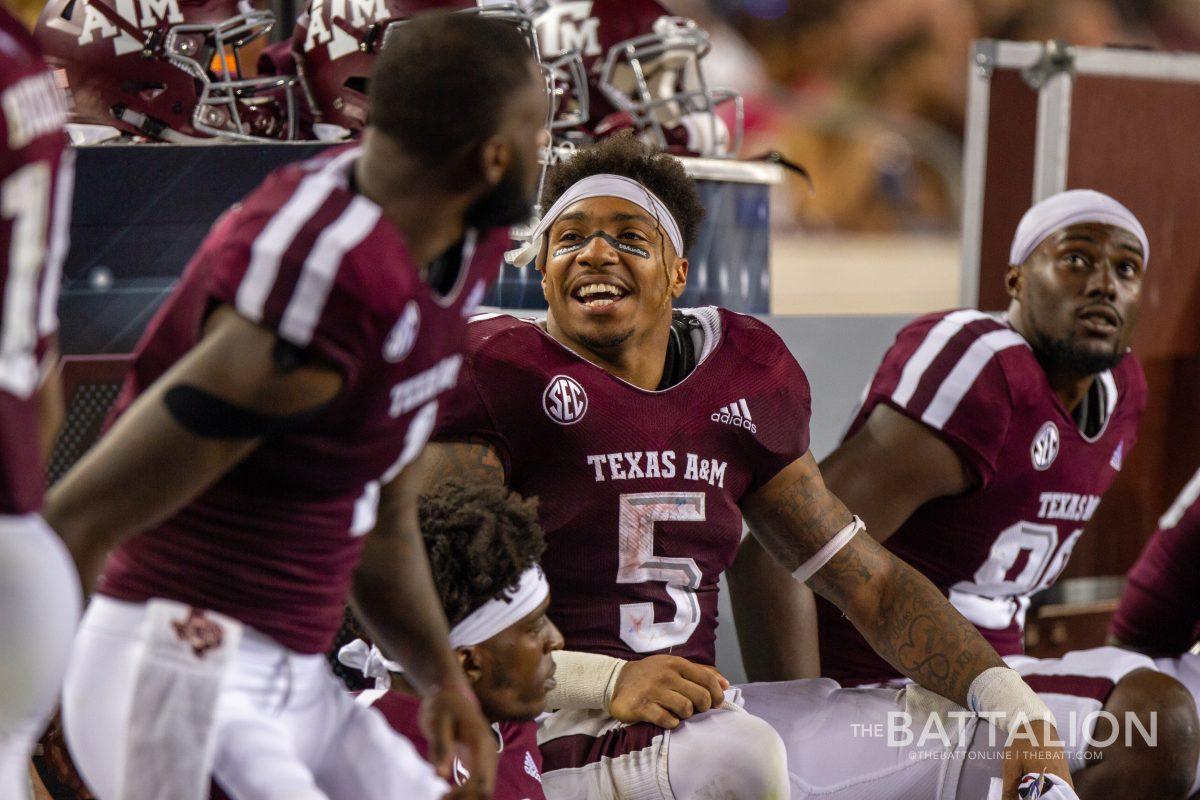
{"x": 1001, "y": 696}
{"x": 585, "y": 680}
{"x": 828, "y": 550}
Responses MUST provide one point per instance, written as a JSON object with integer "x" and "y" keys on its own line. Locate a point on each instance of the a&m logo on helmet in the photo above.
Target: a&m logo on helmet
{"x": 323, "y": 30}
{"x": 566, "y": 26}
{"x": 144, "y": 14}
{"x": 1044, "y": 449}
{"x": 564, "y": 400}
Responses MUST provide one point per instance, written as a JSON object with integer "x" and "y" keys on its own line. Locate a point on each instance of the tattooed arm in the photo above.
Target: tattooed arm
{"x": 899, "y": 612}
{"x": 470, "y": 460}
{"x": 885, "y": 471}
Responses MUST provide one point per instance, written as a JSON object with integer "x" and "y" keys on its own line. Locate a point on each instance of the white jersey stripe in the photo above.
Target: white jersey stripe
{"x": 272, "y": 242}
{"x": 935, "y": 341}
{"x": 745, "y": 408}
{"x": 1181, "y": 504}
{"x": 959, "y": 381}
{"x": 321, "y": 267}
{"x": 60, "y": 219}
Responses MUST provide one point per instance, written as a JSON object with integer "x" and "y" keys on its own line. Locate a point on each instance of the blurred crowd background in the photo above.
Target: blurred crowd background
{"x": 870, "y": 96}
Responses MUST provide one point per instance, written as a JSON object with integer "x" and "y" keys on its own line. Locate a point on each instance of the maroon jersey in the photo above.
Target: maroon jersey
{"x": 975, "y": 382}
{"x": 274, "y": 541}
{"x": 1160, "y": 608}
{"x": 35, "y": 202}
{"x": 639, "y": 490}
{"x": 519, "y": 770}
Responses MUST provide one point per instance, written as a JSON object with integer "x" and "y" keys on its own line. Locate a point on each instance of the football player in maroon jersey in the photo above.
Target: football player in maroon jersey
{"x": 39, "y": 594}
{"x": 484, "y": 542}
{"x": 261, "y": 465}
{"x": 982, "y": 448}
{"x": 1159, "y": 614}
{"x": 647, "y": 433}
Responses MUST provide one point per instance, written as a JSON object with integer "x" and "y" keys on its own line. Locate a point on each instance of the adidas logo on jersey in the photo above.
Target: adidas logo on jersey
{"x": 736, "y": 414}
{"x": 531, "y": 767}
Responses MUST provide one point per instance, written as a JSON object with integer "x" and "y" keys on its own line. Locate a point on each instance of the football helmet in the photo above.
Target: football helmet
{"x": 168, "y": 70}
{"x": 336, "y": 41}
{"x": 644, "y": 71}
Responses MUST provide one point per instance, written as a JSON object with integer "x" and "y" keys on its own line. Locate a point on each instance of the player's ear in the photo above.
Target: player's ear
{"x": 679, "y": 277}
{"x": 468, "y": 659}
{"x": 540, "y": 266}
{"x": 1012, "y": 280}
{"x": 495, "y": 157}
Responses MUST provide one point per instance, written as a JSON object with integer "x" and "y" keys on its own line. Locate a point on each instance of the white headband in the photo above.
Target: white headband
{"x": 495, "y": 615}
{"x": 1072, "y": 208}
{"x": 477, "y": 627}
{"x": 603, "y": 185}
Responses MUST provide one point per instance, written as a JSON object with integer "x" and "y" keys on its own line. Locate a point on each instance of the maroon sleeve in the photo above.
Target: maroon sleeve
{"x": 465, "y": 412}
{"x": 949, "y": 377}
{"x": 314, "y": 298}
{"x": 781, "y": 409}
{"x": 1160, "y": 607}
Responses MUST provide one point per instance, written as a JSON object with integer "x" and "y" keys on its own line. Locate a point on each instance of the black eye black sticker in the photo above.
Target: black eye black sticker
{"x": 624, "y": 247}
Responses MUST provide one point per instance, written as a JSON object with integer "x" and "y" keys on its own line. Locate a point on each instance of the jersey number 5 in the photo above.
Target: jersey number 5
{"x": 639, "y": 564}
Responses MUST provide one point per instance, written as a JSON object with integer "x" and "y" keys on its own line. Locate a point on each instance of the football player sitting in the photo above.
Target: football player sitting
{"x": 982, "y": 448}
{"x": 648, "y": 433}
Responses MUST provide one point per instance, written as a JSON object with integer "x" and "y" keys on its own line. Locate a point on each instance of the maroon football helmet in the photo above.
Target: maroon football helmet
{"x": 644, "y": 72}
{"x": 168, "y": 70}
{"x": 336, "y": 41}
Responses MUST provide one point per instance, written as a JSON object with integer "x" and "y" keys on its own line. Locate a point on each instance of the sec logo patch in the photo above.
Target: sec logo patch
{"x": 564, "y": 400}
{"x": 1044, "y": 449}
{"x": 403, "y": 335}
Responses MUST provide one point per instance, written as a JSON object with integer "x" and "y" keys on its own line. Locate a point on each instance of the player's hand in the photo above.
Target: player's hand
{"x": 454, "y": 725}
{"x": 1023, "y": 756}
{"x": 663, "y": 690}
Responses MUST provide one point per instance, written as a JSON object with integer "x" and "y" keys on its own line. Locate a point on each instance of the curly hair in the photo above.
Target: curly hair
{"x": 632, "y": 158}
{"x": 480, "y": 539}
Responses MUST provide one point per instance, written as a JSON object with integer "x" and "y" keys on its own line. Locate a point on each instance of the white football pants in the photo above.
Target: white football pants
{"x": 271, "y": 724}
{"x": 39, "y": 608}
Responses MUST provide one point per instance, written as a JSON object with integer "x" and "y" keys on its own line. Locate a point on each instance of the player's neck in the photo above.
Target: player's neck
{"x": 639, "y": 360}
{"x": 1068, "y": 385}
{"x": 431, "y": 220}
{"x": 1070, "y": 389}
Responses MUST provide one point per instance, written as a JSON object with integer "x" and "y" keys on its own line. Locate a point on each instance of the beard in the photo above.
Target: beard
{"x": 507, "y": 204}
{"x": 601, "y": 344}
{"x": 1067, "y": 355}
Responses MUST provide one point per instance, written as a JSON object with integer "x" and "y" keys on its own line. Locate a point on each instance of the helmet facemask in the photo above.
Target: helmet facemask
{"x": 230, "y": 106}
{"x": 657, "y": 79}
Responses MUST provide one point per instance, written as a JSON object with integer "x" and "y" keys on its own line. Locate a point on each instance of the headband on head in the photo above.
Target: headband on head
{"x": 499, "y": 613}
{"x": 1072, "y": 208}
{"x": 477, "y": 627}
{"x": 602, "y": 185}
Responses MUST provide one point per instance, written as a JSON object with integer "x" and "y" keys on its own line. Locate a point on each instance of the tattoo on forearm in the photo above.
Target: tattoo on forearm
{"x": 900, "y": 613}
{"x": 921, "y": 634}
{"x": 472, "y": 461}
{"x": 794, "y": 520}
